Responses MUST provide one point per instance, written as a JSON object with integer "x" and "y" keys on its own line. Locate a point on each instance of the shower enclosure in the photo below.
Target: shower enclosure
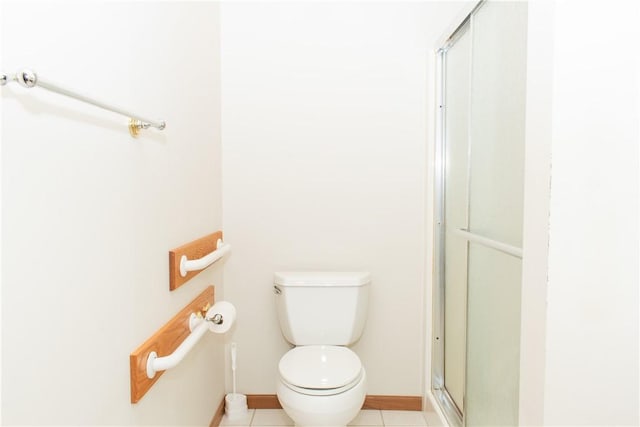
{"x": 479, "y": 210}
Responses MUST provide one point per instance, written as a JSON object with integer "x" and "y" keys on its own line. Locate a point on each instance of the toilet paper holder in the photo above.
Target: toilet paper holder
{"x": 199, "y": 316}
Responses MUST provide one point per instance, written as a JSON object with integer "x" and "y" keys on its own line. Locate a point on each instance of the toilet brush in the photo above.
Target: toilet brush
{"x": 234, "y": 353}
{"x": 235, "y": 404}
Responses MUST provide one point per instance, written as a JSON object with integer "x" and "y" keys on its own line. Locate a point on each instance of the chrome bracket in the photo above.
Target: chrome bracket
{"x": 217, "y": 319}
{"x": 135, "y": 126}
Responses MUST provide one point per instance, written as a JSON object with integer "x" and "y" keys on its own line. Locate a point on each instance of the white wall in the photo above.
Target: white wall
{"x": 582, "y": 363}
{"x": 89, "y": 214}
{"x": 592, "y": 317}
{"x": 535, "y": 238}
{"x": 324, "y": 128}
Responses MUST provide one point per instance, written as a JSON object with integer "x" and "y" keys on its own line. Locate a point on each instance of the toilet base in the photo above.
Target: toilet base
{"x": 309, "y": 411}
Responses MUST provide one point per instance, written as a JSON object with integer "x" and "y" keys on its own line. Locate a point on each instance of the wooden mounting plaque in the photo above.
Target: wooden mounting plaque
{"x": 193, "y": 250}
{"x": 163, "y": 342}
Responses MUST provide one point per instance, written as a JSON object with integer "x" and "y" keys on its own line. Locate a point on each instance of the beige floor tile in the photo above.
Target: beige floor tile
{"x": 403, "y": 418}
{"x": 244, "y": 421}
{"x": 271, "y": 417}
{"x": 368, "y": 417}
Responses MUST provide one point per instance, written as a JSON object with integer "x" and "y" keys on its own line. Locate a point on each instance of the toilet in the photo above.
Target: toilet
{"x": 321, "y": 382}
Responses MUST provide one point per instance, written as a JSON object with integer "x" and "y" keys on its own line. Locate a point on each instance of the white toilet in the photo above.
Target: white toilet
{"x": 321, "y": 382}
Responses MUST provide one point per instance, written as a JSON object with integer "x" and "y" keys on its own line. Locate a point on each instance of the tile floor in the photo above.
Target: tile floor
{"x": 367, "y": 417}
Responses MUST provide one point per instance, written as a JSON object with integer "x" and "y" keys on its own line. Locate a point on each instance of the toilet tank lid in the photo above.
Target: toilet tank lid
{"x": 322, "y": 278}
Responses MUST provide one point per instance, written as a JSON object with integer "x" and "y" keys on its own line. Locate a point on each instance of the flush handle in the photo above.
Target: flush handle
{"x": 276, "y": 290}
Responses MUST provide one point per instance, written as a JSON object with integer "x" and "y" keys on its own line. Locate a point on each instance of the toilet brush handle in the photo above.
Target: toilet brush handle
{"x": 233, "y": 366}
{"x": 233, "y": 356}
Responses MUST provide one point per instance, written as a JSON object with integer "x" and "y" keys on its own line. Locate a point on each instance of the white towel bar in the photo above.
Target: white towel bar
{"x": 187, "y": 265}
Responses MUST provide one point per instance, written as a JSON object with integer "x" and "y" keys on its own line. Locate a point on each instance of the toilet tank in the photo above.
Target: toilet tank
{"x": 322, "y": 307}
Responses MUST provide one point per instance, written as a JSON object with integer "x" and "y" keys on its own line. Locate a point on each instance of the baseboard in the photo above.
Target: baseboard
{"x": 217, "y": 417}
{"x": 263, "y": 401}
{"x": 391, "y": 403}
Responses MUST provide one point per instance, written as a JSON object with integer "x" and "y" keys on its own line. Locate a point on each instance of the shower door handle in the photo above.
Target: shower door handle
{"x": 490, "y": 243}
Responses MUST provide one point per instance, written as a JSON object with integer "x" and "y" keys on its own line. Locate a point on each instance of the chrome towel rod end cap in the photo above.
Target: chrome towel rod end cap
{"x": 27, "y": 78}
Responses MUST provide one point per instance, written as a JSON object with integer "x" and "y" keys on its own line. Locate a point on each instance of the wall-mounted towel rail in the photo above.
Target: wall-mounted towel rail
{"x": 164, "y": 341}
{"x": 218, "y": 319}
{"x": 155, "y": 363}
{"x": 29, "y": 79}
{"x": 176, "y": 338}
{"x": 190, "y": 259}
{"x": 187, "y": 265}
{"x": 485, "y": 241}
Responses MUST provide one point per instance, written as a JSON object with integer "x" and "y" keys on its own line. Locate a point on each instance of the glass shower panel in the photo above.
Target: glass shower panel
{"x": 497, "y": 127}
{"x": 495, "y": 211}
{"x": 493, "y": 343}
{"x": 455, "y": 215}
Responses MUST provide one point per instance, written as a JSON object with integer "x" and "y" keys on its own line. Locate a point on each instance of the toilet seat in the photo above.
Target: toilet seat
{"x": 320, "y": 370}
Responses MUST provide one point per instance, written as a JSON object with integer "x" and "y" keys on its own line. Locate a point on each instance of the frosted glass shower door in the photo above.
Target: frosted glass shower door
{"x": 481, "y": 210}
{"x": 495, "y": 212}
{"x": 455, "y": 213}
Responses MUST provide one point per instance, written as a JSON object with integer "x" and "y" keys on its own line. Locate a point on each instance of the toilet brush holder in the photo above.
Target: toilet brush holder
{"x": 235, "y": 406}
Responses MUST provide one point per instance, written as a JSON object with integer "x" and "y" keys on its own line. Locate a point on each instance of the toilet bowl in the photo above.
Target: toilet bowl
{"x": 321, "y": 382}
{"x": 321, "y": 385}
